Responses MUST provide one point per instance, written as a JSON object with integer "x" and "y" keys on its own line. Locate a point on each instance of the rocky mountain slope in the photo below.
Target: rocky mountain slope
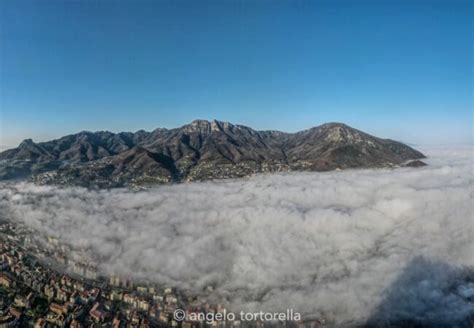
{"x": 200, "y": 150}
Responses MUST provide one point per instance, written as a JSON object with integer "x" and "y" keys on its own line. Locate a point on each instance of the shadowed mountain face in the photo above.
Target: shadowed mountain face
{"x": 200, "y": 150}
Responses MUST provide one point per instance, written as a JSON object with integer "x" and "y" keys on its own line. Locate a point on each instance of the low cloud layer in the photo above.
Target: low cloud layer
{"x": 347, "y": 246}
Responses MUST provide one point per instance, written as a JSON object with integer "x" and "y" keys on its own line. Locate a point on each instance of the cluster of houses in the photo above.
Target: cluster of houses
{"x": 37, "y": 291}
{"x": 34, "y": 292}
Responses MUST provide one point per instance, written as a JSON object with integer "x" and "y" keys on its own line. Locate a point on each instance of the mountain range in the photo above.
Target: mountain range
{"x": 200, "y": 150}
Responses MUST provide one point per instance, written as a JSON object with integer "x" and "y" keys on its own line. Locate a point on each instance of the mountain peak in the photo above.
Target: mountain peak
{"x": 335, "y": 125}
{"x": 199, "y": 122}
{"x": 205, "y": 126}
{"x": 340, "y": 132}
{"x": 26, "y": 143}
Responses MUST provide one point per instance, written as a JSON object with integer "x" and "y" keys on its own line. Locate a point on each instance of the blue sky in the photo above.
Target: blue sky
{"x": 398, "y": 69}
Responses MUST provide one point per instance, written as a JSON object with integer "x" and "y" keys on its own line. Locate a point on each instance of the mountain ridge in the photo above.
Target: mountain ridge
{"x": 199, "y": 150}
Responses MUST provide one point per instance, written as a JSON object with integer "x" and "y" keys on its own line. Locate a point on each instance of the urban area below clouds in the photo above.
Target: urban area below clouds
{"x": 350, "y": 246}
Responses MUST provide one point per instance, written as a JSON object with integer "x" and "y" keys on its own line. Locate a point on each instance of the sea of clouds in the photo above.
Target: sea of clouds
{"x": 347, "y": 246}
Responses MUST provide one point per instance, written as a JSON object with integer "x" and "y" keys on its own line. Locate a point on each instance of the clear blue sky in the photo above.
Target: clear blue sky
{"x": 398, "y": 69}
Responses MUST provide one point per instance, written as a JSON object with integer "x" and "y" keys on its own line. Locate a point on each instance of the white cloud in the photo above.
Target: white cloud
{"x": 329, "y": 244}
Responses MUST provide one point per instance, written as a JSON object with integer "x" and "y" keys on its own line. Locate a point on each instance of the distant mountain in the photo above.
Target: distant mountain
{"x": 200, "y": 150}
